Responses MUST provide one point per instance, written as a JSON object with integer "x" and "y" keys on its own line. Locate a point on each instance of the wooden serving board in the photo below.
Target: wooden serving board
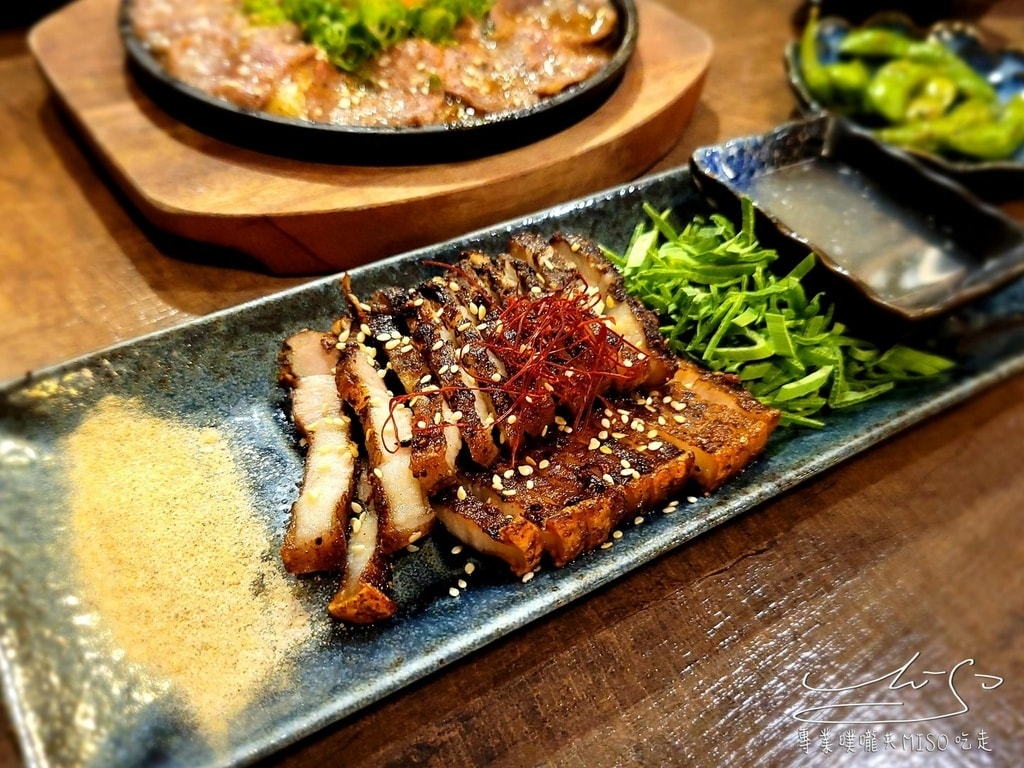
{"x": 305, "y": 218}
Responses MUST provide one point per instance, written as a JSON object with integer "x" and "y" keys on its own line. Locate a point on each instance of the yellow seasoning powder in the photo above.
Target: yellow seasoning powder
{"x": 179, "y": 570}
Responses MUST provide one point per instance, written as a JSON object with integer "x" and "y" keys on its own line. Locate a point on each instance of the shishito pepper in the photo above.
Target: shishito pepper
{"x": 811, "y": 66}
{"x": 970, "y": 83}
{"x": 936, "y": 96}
{"x": 993, "y": 139}
{"x": 929, "y": 97}
{"x": 875, "y": 42}
{"x": 894, "y": 85}
{"x": 935, "y": 135}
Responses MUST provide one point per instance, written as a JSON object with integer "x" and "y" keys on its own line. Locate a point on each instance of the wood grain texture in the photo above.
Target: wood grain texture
{"x": 695, "y": 659}
{"x": 298, "y": 217}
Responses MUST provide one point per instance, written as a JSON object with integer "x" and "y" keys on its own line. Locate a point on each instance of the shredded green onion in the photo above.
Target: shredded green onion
{"x": 722, "y": 305}
{"x": 351, "y": 32}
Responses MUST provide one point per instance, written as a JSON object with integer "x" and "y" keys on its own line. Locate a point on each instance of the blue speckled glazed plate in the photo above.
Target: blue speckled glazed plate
{"x": 73, "y": 706}
{"x": 1002, "y": 67}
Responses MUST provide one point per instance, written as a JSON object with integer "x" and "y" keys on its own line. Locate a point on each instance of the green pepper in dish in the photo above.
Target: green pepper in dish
{"x": 811, "y": 66}
{"x": 893, "y": 85}
{"x": 995, "y": 139}
{"x": 933, "y": 135}
{"x": 875, "y": 42}
{"x": 967, "y": 79}
{"x": 936, "y": 96}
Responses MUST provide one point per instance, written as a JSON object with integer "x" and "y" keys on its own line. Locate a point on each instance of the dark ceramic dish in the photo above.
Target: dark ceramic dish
{"x": 909, "y": 240}
{"x": 923, "y": 12}
{"x": 199, "y": 375}
{"x": 359, "y": 145}
{"x": 995, "y": 180}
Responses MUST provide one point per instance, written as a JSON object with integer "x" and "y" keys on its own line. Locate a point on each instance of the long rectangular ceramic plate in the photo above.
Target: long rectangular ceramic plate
{"x": 77, "y": 699}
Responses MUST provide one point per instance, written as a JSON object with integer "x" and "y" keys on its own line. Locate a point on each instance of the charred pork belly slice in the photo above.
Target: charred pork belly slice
{"x": 490, "y": 530}
{"x": 634, "y": 321}
{"x": 498, "y": 283}
{"x": 563, "y": 261}
{"x": 725, "y": 434}
{"x": 436, "y": 441}
{"x": 315, "y": 538}
{"x": 405, "y": 513}
{"x": 501, "y": 276}
{"x": 466, "y": 309}
{"x": 364, "y": 595}
{"x": 576, "y": 489}
{"x": 727, "y": 390}
{"x": 431, "y": 332}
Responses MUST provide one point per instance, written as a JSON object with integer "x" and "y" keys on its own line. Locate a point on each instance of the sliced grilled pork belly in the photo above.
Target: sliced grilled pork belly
{"x": 431, "y": 332}
{"x": 405, "y": 513}
{"x": 577, "y": 489}
{"x": 502, "y": 276}
{"x": 725, "y": 389}
{"x": 490, "y": 530}
{"x": 364, "y": 595}
{"x": 315, "y": 538}
{"x": 435, "y": 439}
{"x": 635, "y": 322}
{"x": 563, "y": 262}
{"x": 497, "y": 283}
{"x": 725, "y": 433}
{"x": 466, "y": 310}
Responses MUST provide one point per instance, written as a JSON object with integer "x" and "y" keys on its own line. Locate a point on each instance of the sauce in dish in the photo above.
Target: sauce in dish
{"x": 901, "y": 254}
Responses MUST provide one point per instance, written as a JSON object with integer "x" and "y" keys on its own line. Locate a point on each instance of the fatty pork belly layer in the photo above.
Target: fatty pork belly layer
{"x": 432, "y": 376}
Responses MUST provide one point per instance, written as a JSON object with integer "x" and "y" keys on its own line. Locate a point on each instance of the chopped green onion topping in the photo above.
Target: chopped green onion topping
{"x": 721, "y": 305}
{"x": 351, "y": 32}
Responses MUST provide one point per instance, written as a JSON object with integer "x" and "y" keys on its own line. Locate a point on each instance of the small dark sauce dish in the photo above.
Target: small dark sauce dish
{"x": 373, "y": 146}
{"x": 908, "y": 243}
{"x": 1003, "y": 68}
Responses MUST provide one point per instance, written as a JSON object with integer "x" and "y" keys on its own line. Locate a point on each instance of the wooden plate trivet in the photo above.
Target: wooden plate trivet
{"x": 303, "y": 218}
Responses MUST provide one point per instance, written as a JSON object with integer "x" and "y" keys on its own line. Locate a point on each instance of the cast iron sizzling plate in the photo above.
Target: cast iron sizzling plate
{"x": 361, "y": 145}
{"x": 995, "y": 180}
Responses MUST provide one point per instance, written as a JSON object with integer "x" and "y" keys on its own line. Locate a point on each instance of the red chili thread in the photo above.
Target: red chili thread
{"x": 553, "y": 345}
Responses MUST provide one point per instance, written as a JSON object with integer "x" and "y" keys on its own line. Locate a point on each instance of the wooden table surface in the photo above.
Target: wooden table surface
{"x": 697, "y": 659}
